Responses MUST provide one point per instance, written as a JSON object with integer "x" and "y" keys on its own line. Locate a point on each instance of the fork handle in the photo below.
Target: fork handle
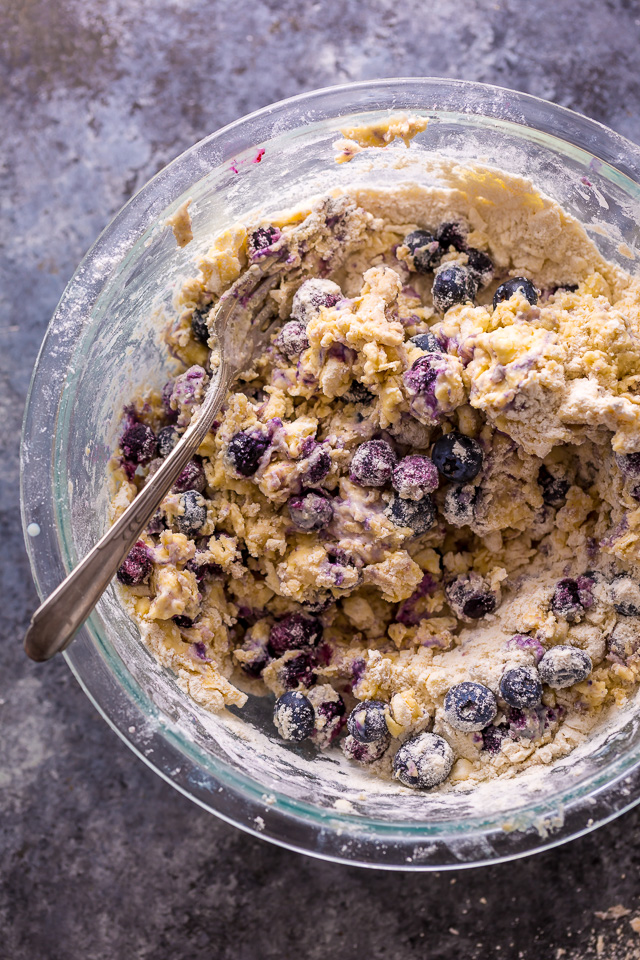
{"x": 56, "y": 620}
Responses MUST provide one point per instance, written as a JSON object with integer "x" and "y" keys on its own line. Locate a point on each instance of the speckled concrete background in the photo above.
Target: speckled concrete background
{"x": 100, "y": 859}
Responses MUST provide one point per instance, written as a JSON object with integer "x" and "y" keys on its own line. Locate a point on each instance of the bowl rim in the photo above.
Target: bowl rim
{"x": 323, "y": 838}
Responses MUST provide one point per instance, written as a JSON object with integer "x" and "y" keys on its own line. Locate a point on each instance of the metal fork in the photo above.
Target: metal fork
{"x": 55, "y": 622}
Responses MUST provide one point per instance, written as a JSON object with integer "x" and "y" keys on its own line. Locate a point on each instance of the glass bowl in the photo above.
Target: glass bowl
{"x": 102, "y": 344}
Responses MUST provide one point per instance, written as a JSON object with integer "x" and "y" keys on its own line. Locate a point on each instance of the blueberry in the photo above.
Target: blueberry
{"x": 625, "y": 596}
{"x": 199, "y": 325}
{"x": 194, "y": 513}
{"x": 182, "y": 621}
{"x": 203, "y": 569}
{"x": 624, "y": 641}
{"x": 191, "y": 478}
{"x": 424, "y": 250}
{"x": 459, "y": 504}
{"x": 507, "y": 289}
{"x": 493, "y": 736}
{"x": 452, "y": 284}
{"x": 167, "y": 393}
{"x": 358, "y": 393}
{"x": 312, "y": 296}
{"x": 629, "y": 464}
{"x": 296, "y": 671}
{"x": 567, "y": 600}
{"x": 293, "y": 715}
{"x": 419, "y": 515}
{"x": 292, "y": 339}
{"x": 422, "y": 377}
{"x": 427, "y": 342}
{"x": 167, "y": 439}
{"x": 317, "y": 466}
{"x": 452, "y": 234}
{"x": 139, "y": 443}
{"x": 263, "y": 238}
{"x": 330, "y": 711}
{"x": 137, "y": 566}
{"x": 480, "y": 265}
{"x": 415, "y": 476}
{"x": 469, "y": 597}
{"x": 254, "y": 655}
{"x": 364, "y": 752}
{"x": 469, "y": 706}
{"x": 457, "y": 457}
{"x": 367, "y": 721}
{"x": 554, "y": 489}
{"x": 424, "y": 761}
{"x": 521, "y": 687}
{"x": 562, "y": 666}
{"x": 245, "y": 451}
{"x": 294, "y": 632}
{"x": 311, "y": 511}
{"x": 372, "y": 464}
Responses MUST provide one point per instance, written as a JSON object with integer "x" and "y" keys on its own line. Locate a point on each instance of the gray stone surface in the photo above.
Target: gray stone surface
{"x": 99, "y": 858}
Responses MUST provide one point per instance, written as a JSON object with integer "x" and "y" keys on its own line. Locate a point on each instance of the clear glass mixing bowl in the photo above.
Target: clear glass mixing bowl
{"x": 102, "y": 344}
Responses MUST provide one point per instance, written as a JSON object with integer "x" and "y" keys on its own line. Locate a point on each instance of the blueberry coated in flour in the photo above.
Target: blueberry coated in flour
{"x": 470, "y": 597}
{"x": 194, "y": 514}
{"x": 480, "y": 265}
{"x": 367, "y": 721}
{"x": 572, "y": 597}
{"x": 470, "y": 706}
{"x": 625, "y": 596}
{"x": 192, "y": 477}
{"x": 199, "y": 325}
{"x": 294, "y": 632}
{"x": 310, "y": 511}
{"x": 516, "y": 284}
{"x": 563, "y": 665}
{"x": 424, "y": 249}
{"x": 452, "y": 233}
{"x": 292, "y": 339}
{"x": 139, "y": 443}
{"x": 419, "y": 515}
{"x": 372, "y": 464}
{"x": 521, "y": 687}
{"x": 364, "y": 753}
{"x": 424, "y": 761}
{"x": 317, "y": 466}
{"x": 427, "y": 342}
{"x": 137, "y": 566}
{"x": 629, "y": 464}
{"x": 297, "y": 671}
{"x": 358, "y": 393}
{"x": 452, "y": 284}
{"x": 167, "y": 439}
{"x": 245, "y": 451}
{"x": 458, "y": 458}
{"x": 294, "y": 716}
{"x": 311, "y": 296}
{"x": 415, "y": 476}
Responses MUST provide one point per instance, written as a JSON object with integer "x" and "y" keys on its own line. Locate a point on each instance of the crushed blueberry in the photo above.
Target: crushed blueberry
{"x": 358, "y": 393}
{"x": 424, "y": 251}
{"x": 419, "y": 515}
{"x": 194, "y": 513}
{"x": 521, "y": 687}
{"x": 372, "y": 464}
{"x": 452, "y": 234}
{"x": 470, "y": 597}
{"x": 311, "y": 511}
{"x": 254, "y": 654}
{"x": 329, "y": 716}
{"x": 572, "y": 597}
{"x": 427, "y": 342}
{"x": 562, "y": 666}
{"x": 424, "y": 761}
{"x": 522, "y": 641}
{"x": 294, "y": 716}
{"x": 459, "y": 504}
{"x": 263, "y": 238}
{"x": 516, "y": 284}
{"x": 452, "y": 284}
{"x": 139, "y": 443}
{"x": 629, "y": 464}
{"x": 364, "y": 752}
{"x": 470, "y": 706}
{"x": 297, "y": 671}
{"x": 292, "y": 339}
{"x": 181, "y": 621}
{"x": 137, "y": 566}
{"x": 493, "y": 737}
{"x": 554, "y": 489}
{"x": 191, "y": 478}
{"x": 167, "y": 439}
{"x": 480, "y": 265}
{"x": 167, "y": 393}
{"x": 294, "y": 632}
{"x": 245, "y": 451}
{"x": 367, "y": 721}
{"x": 199, "y": 325}
{"x": 415, "y": 476}
{"x": 457, "y": 457}
{"x": 317, "y": 466}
